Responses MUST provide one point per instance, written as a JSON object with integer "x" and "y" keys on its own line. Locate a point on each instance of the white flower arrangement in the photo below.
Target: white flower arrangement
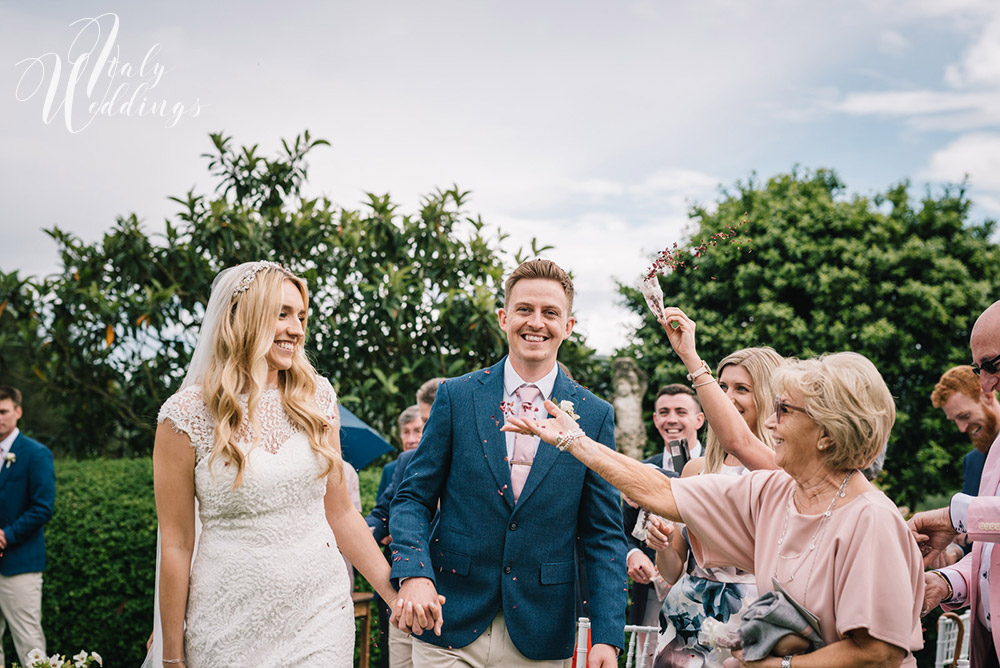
{"x": 9, "y": 458}
{"x": 37, "y": 659}
{"x": 566, "y": 406}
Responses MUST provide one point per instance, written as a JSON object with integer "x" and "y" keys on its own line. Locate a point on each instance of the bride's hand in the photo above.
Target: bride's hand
{"x": 680, "y": 333}
{"x": 549, "y": 430}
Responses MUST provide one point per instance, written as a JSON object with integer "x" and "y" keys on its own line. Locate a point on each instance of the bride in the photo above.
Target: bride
{"x": 253, "y": 436}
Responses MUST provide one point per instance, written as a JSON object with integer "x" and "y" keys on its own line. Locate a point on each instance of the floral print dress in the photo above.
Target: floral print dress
{"x": 701, "y": 593}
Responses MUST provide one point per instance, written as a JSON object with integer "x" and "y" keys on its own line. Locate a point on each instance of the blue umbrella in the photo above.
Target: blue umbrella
{"x": 359, "y": 443}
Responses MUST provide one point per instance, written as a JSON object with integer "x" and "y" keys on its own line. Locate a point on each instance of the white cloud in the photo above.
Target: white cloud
{"x": 909, "y": 103}
{"x": 976, "y": 155}
{"x": 892, "y": 43}
{"x": 980, "y": 65}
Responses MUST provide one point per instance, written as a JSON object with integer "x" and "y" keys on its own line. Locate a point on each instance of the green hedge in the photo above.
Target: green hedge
{"x": 101, "y": 547}
{"x": 101, "y": 544}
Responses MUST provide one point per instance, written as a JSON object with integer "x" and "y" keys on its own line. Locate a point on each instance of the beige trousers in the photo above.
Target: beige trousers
{"x": 400, "y": 648}
{"x": 493, "y": 648}
{"x": 21, "y": 610}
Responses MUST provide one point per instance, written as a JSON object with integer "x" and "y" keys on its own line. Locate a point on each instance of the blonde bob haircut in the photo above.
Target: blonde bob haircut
{"x": 238, "y": 365}
{"x": 760, "y": 363}
{"x": 847, "y": 397}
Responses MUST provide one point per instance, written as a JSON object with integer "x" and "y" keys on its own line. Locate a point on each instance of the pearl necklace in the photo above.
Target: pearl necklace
{"x": 816, "y": 537}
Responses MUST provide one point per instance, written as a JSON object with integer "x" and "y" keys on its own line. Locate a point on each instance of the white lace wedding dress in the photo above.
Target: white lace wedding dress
{"x": 268, "y": 585}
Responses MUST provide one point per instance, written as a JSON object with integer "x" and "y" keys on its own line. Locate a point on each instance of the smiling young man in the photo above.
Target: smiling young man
{"x": 676, "y": 415}
{"x": 513, "y": 510}
{"x": 974, "y": 412}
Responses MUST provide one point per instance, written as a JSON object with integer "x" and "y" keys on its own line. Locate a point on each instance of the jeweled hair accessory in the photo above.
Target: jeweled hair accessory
{"x": 250, "y": 275}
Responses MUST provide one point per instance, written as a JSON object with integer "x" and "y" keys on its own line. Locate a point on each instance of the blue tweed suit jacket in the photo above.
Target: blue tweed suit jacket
{"x": 487, "y": 554}
{"x": 27, "y": 495}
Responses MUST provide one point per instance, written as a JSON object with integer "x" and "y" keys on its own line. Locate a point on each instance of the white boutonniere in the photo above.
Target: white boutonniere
{"x": 566, "y": 406}
{"x": 9, "y": 458}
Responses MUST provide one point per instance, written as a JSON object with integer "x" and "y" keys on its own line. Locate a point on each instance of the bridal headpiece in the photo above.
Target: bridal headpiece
{"x": 250, "y": 274}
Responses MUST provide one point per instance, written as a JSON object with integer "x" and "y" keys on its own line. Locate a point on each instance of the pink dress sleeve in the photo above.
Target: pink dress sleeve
{"x": 878, "y": 578}
{"x": 721, "y": 513}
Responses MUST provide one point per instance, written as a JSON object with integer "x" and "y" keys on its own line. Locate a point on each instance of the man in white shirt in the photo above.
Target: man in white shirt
{"x": 969, "y": 582}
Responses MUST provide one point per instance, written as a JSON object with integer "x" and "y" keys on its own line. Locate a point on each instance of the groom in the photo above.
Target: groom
{"x": 513, "y": 511}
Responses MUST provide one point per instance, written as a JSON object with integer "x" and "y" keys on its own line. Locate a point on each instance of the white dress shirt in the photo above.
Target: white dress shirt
{"x": 512, "y": 381}
{"x": 959, "y": 509}
{"x": 6, "y": 443}
{"x": 668, "y": 461}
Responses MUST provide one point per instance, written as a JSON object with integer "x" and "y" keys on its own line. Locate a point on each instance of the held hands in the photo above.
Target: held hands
{"x": 933, "y": 532}
{"x": 549, "y": 430}
{"x": 417, "y": 608}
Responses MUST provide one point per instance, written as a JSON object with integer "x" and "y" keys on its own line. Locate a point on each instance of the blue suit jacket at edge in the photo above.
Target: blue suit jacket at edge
{"x": 27, "y": 496}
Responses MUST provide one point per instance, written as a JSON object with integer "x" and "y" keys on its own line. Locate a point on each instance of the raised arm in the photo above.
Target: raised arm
{"x": 733, "y": 432}
{"x": 643, "y": 484}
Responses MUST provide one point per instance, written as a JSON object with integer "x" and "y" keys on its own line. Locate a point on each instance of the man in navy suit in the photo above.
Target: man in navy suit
{"x": 513, "y": 511}
{"x": 27, "y": 494}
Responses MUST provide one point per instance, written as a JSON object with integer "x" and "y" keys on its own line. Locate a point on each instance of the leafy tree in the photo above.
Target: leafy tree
{"x": 395, "y": 299}
{"x": 896, "y": 280}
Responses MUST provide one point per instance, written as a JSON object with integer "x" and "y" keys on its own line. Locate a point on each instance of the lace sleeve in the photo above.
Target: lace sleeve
{"x": 189, "y": 415}
{"x": 326, "y": 398}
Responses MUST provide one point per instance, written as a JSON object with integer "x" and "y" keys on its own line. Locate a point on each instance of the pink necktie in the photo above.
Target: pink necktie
{"x": 524, "y": 446}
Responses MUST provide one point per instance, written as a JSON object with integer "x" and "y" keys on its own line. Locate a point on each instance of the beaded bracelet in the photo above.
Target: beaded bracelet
{"x": 704, "y": 382}
{"x": 566, "y": 440}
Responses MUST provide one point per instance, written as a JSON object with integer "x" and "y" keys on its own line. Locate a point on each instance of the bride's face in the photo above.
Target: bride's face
{"x": 289, "y": 329}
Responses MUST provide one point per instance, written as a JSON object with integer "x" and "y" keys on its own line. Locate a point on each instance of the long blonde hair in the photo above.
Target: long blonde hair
{"x": 760, "y": 363}
{"x": 238, "y": 365}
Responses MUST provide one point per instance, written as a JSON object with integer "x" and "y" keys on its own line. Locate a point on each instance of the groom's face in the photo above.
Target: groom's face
{"x": 536, "y": 321}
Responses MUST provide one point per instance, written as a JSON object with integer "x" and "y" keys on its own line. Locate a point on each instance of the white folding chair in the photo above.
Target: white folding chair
{"x": 952, "y": 639}
{"x": 636, "y": 656}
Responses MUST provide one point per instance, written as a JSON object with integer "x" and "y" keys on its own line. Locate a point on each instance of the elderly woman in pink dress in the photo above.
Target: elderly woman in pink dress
{"x": 815, "y": 526}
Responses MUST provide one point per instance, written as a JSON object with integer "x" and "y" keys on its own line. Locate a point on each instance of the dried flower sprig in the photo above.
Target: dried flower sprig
{"x": 672, "y": 257}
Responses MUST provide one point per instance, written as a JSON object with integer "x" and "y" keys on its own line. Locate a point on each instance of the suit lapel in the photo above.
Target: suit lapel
{"x": 4, "y": 469}
{"x": 489, "y": 418}
{"x": 546, "y": 455}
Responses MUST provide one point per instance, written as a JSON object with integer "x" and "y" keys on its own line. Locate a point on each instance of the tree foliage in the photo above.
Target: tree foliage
{"x": 896, "y": 280}
{"x": 395, "y": 298}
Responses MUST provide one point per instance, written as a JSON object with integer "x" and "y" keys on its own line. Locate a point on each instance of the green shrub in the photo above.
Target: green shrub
{"x": 101, "y": 546}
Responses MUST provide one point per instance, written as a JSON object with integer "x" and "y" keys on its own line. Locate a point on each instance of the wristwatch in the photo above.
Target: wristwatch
{"x": 700, "y": 371}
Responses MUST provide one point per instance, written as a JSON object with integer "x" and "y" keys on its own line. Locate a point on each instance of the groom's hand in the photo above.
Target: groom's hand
{"x": 418, "y": 607}
{"x": 602, "y": 656}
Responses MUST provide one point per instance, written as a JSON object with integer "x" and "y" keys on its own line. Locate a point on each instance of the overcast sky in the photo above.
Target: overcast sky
{"x": 590, "y": 125}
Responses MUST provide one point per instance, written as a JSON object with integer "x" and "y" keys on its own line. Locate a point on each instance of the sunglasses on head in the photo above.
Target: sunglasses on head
{"x": 782, "y": 408}
{"x": 989, "y": 366}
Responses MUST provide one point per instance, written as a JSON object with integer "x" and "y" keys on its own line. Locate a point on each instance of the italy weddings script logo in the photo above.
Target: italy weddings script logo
{"x": 93, "y": 79}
